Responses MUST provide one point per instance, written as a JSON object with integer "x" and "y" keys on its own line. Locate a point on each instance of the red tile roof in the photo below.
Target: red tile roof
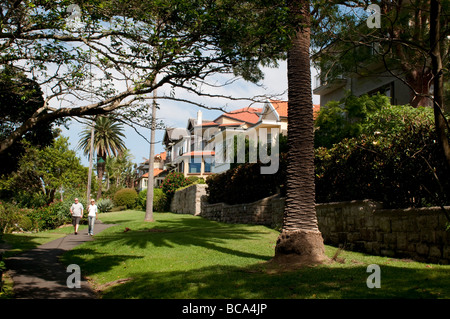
{"x": 162, "y": 155}
{"x": 281, "y": 107}
{"x": 156, "y": 172}
{"x": 246, "y": 114}
{"x": 316, "y": 109}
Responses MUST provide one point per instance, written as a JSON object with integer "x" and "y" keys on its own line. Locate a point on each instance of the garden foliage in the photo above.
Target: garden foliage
{"x": 53, "y": 215}
{"x": 159, "y": 200}
{"x": 126, "y": 197}
{"x": 245, "y": 184}
{"x": 396, "y": 160}
{"x": 391, "y": 155}
{"x": 105, "y": 205}
{"x": 172, "y": 182}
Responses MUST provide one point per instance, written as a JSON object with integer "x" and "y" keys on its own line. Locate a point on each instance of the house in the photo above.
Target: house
{"x": 235, "y": 122}
{"x": 159, "y": 171}
{"x": 201, "y": 148}
{"x": 378, "y": 81}
{"x": 186, "y": 148}
{"x": 370, "y": 75}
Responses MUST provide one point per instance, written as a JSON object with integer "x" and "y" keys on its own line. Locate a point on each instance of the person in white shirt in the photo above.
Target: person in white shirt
{"x": 76, "y": 210}
{"x": 92, "y": 216}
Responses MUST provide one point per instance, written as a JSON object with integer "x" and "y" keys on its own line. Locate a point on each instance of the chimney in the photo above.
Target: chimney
{"x": 199, "y": 117}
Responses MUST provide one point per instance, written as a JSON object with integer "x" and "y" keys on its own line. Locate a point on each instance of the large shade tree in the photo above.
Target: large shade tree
{"x": 20, "y": 97}
{"x": 110, "y": 60}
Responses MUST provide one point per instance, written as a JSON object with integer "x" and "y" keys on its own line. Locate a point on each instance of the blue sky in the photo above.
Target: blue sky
{"x": 176, "y": 114}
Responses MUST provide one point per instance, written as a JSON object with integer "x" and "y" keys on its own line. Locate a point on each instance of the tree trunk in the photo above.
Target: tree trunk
{"x": 438, "y": 80}
{"x": 151, "y": 161}
{"x": 419, "y": 82}
{"x": 300, "y": 240}
{"x": 91, "y": 158}
{"x": 100, "y": 172}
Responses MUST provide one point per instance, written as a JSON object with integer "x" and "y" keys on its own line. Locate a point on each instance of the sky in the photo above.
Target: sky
{"x": 176, "y": 114}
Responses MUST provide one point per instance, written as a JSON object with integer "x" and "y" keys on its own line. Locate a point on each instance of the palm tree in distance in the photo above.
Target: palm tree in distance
{"x": 107, "y": 142}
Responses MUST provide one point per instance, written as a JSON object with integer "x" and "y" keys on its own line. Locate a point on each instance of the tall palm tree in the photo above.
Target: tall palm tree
{"x": 300, "y": 239}
{"x": 107, "y": 142}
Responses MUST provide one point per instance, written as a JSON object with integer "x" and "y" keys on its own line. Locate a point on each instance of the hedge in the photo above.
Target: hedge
{"x": 396, "y": 160}
{"x": 126, "y": 197}
{"x": 160, "y": 203}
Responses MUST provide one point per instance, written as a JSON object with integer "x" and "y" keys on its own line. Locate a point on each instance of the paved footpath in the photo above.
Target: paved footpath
{"x": 38, "y": 274}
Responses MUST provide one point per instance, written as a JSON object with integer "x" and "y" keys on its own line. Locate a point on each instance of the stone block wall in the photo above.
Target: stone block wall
{"x": 363, "y": 226}
{"x": 188, "y": 200}
{"x": 415, "y": 233}
{"x": 258, "y": 213}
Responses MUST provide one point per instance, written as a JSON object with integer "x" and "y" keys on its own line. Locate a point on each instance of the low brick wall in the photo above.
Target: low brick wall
{"x": 188, "y": 200}
{"x": 363, "y": 226}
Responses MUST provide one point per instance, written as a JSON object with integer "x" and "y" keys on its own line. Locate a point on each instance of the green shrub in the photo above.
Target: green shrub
{"x": 51, "y": 216}
{"x": 142, "y": 199}
{"x": 13, "y": 218}
{"x": 346, "y": 118}
{"x": 126, "y": 197}
{"x": 160, "y": 203}
{"x": 172, "y": 182}
{"x": 245, "y": 184}
{"x": 105, "y": 205}
{"x": 195, "y": 180}
{"x": 396, "y": 160}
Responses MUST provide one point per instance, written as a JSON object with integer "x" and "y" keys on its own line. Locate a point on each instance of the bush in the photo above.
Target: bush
{"x": 396, "y": 161}
{"x": 142, "y": 199}
{"x": 346, "y": 118}
{"x": 13, "y": 218}
{"x": 195, "y": 180}
{"x": 172, "y": 182}
{"x": 160, "y": 203}
{"x": 105, "y": 205}
{"x": 126, "y": 197}
{"x": 245, "y": 184}
{"x": 53, "y": 215}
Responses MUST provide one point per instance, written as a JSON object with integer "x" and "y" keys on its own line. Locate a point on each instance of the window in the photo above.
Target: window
{"x": 195, "y": 166}
{"x": 387, "y": 90}
{"x": 208, "y": 165}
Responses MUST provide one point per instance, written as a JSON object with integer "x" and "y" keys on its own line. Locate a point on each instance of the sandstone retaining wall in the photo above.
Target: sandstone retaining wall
{"x": 363, "y": 226}
{"x": 188, "y": 200}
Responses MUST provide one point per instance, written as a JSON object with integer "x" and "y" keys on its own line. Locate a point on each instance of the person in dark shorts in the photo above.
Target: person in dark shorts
{"x": 76, "y": 210}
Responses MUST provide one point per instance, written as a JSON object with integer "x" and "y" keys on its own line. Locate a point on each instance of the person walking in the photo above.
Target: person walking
{"x": 76, "y": 210}
{"x": 92, "y": 216}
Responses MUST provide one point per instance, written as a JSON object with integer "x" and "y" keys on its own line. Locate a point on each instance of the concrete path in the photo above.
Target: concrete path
{"x": 38, "y": 274}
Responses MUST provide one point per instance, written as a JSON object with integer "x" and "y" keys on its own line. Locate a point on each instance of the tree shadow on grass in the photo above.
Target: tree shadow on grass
{"x": 184, "y": 232}
{"x": 225, "y": 282}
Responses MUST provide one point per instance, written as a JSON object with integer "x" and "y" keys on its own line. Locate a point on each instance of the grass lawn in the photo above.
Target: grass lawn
{"x": 184, "y": 256}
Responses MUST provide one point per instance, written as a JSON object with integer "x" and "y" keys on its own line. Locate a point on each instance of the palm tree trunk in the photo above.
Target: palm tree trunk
{"x": 300, "y": 240}
{"x": 91, "y": 157}
{"x": 100, "y": 172}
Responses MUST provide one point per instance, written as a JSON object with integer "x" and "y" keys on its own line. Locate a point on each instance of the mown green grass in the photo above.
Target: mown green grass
{"x": 184, "y": 256}
{"x": 20, "y": 242}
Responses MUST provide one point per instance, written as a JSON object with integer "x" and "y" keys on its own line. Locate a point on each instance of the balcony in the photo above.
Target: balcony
{"x": 322, "y": 87}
